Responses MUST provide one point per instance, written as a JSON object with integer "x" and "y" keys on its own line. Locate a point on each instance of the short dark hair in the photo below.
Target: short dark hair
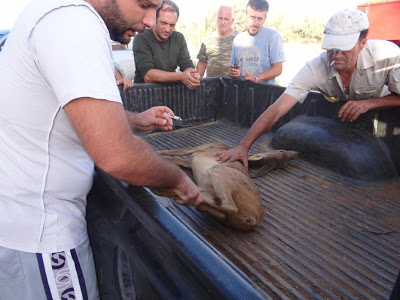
{"x": 168, "y": 5}
{"x": 259, "y": 5}
{"x": 363, "y": 34}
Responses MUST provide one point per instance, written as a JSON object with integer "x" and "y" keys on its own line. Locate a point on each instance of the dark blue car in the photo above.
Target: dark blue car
{"x": 3, "y": 37}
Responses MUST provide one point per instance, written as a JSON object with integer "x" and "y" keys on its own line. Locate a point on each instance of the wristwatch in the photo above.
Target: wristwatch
{"x": 256, "y": 78}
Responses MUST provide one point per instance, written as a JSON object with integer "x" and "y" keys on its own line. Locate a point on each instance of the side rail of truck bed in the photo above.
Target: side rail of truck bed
{"x": 324, "y": 235}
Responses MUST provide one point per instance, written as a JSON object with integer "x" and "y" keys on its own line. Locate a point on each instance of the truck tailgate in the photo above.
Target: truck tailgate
{"x": 324, "y": 236}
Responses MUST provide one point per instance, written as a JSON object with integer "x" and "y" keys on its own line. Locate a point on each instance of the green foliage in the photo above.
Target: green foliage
{"x": 195, "y": 32}
{"x": 240, "y": 16}
{"x": 307, "y": 29}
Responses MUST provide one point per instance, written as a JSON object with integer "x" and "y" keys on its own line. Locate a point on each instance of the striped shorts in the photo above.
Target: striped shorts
{"x": 64, "y": 275}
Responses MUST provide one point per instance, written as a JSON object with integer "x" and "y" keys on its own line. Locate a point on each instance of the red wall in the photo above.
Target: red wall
{"x": 384, "y": 19}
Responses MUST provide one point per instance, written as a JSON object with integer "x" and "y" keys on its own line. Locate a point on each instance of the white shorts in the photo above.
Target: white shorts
{"x": 63, "y": 275}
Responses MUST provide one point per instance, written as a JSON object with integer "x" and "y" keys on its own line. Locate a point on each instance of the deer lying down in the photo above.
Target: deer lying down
{"x": 228, "y": 191}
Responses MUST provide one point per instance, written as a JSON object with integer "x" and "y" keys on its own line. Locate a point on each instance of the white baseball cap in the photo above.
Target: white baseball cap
{"x": 343, "y": 30}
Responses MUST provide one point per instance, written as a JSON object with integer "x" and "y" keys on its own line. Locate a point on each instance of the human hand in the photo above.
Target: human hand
{"x": 128, "y": 83}
{"x": 191, "y": 78}
{"x": 235, "y": 71}
{"x": 187, "y": 192}
{"x": 154, "y": 118}
{"x": 238, "y": 153}
{"x": 351, "y": 110}
{"x": 195, "y": 74}
{"x": 249, "y": 76}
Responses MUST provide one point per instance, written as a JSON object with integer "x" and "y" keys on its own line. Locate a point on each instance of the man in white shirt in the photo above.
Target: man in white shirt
{"x": 364, "y": 74}
{"x": 61, "y": 114}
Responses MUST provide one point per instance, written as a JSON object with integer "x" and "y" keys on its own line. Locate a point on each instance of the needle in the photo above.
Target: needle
{"x": 173, "y": 117}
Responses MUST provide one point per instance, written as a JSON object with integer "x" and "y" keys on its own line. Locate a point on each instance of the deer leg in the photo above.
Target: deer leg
{"x": 270, "y": 160}
{"x": 215, "y": 213}
{"x": 191, "y": 150}
{"x": 222, "y": 179}
{"x": 182, "y": 162}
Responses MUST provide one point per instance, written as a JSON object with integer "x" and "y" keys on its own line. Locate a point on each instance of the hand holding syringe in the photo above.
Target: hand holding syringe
{"x": 176, "y": 118}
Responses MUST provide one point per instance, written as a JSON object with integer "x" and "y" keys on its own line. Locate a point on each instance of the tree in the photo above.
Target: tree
{"x": 291, "y": 29}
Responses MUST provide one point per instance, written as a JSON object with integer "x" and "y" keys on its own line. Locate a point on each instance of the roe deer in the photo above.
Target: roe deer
{"x": 228, "y": 191}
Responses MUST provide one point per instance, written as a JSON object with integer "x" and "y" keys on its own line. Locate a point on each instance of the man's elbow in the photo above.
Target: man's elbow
{"x": 113, "y": 167}
{"x": 278, "y": 70}
{"x": 147, "y": 78}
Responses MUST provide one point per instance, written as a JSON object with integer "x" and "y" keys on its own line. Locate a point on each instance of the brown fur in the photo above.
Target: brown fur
{"x": 273, "y": 159}
{"x": 228, "y": 191}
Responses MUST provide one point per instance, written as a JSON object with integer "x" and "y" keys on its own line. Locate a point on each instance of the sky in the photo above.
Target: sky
{"x": 294, "y": 8}
{"x": 196, "y": 9}
{"x": 10, "y": 9}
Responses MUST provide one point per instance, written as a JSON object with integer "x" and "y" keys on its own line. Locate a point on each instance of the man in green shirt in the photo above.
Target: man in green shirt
{"x": 215, "y": 51}
{"x": 159, "y": 51}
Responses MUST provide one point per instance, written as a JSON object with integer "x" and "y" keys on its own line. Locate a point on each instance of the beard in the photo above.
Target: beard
{"x": 161, "y": 34}
{"x": 253, "y": 30}
{"x": 115, "y": 22}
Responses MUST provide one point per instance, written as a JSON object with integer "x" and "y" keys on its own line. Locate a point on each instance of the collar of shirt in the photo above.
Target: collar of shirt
{"x": 365, "y": 59}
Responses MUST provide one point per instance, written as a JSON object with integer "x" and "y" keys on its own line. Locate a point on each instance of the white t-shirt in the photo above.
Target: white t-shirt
{"x": 58, "y": 51}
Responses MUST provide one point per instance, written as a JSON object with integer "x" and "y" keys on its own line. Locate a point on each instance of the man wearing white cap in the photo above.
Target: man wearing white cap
{"x": 364, "y": 74}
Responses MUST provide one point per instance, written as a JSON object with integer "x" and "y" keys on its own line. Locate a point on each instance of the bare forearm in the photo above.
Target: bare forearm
{"x": 261, "y": 125}
{"x": 109, "y": 141}
{"x": 155, "y": 75}
{"x": 156, "y": 117}
{"x": 264, "y": 122}
{"x": 135, "y": 162}
{"x": 390, "y": 100}
{"x": 271, "y": 73}
{"x": 201, "y": 68}
{"x": 268, "y": 118}
{"x": 131, "y": 119}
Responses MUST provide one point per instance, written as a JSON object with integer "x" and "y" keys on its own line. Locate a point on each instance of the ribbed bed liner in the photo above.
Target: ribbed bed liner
{"x": 323, "y": 236}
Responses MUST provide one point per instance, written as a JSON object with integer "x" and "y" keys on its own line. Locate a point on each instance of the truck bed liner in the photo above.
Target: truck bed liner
{"x": 324, "y": 236}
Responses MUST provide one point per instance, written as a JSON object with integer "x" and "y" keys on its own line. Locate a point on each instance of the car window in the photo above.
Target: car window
{"x": 3, "y": 38}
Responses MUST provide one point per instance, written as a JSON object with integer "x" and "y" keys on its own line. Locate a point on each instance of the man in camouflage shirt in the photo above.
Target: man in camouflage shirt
{"x": 215, "y": 52}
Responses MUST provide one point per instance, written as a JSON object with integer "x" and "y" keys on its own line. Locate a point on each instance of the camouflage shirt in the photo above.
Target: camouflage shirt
{"x": 216, "y": 52}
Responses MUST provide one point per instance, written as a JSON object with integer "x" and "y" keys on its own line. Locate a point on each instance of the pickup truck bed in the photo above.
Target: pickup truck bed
{"x": 323, "y": 235}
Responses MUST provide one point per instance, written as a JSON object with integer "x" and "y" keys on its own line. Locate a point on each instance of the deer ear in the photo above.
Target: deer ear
{"x": 221, "y": 180}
